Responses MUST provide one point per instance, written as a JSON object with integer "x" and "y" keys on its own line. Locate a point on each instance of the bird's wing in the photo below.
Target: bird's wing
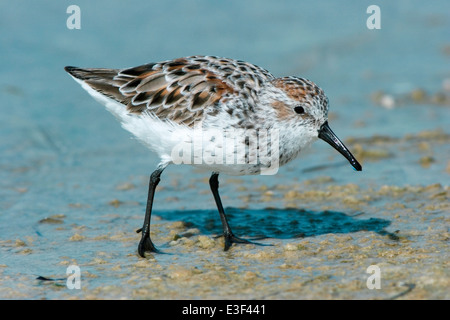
{"x": 177, "y": 90}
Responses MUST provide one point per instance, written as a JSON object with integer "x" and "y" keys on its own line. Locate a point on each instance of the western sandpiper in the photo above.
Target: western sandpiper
{"x": 208, "y": 112}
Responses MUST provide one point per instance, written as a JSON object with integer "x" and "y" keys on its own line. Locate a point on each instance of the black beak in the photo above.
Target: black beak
{"x": 327, "y": 135}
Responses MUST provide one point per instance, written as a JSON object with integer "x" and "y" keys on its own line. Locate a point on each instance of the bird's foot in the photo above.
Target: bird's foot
{"x": 230, "y": 238}
{"x": 146, "y": 244}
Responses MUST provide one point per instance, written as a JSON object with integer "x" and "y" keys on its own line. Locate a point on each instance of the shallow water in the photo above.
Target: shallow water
{"x": 73, "y": 184}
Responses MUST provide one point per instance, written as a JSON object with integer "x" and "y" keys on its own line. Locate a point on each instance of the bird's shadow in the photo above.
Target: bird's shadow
{"x": 278, "y": 223}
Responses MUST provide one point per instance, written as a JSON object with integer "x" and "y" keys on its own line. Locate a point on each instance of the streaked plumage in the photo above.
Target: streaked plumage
{"x": 179, "y": 90}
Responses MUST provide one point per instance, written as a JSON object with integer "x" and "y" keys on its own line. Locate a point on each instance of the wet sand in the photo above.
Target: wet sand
{"x": 73, "y": 184}
{"x": 321, "y": 238}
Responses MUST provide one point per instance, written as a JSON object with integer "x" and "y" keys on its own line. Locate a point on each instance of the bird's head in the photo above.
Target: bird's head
{"x": 301, "y": 103}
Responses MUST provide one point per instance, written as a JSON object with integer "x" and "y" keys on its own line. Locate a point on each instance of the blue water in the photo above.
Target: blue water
{"x": 59, "y": 147}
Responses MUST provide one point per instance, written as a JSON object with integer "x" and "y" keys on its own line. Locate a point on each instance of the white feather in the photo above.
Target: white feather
{"x": 159, "y": 136}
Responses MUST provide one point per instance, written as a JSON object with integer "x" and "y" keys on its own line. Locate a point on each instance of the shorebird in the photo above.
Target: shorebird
{"x": 172, "y": 105}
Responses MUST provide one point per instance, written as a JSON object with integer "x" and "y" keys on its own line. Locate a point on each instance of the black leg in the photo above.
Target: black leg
{"x": 227, "y": 233}
{"x": 146, "y": 243}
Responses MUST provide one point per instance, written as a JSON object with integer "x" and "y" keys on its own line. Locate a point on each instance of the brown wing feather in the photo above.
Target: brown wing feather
{"x": 178, "y": 90}
{"x": 101, "y": 80}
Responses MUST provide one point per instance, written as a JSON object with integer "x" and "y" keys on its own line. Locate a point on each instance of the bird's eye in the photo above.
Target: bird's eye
{"x": 299, "y": 110}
